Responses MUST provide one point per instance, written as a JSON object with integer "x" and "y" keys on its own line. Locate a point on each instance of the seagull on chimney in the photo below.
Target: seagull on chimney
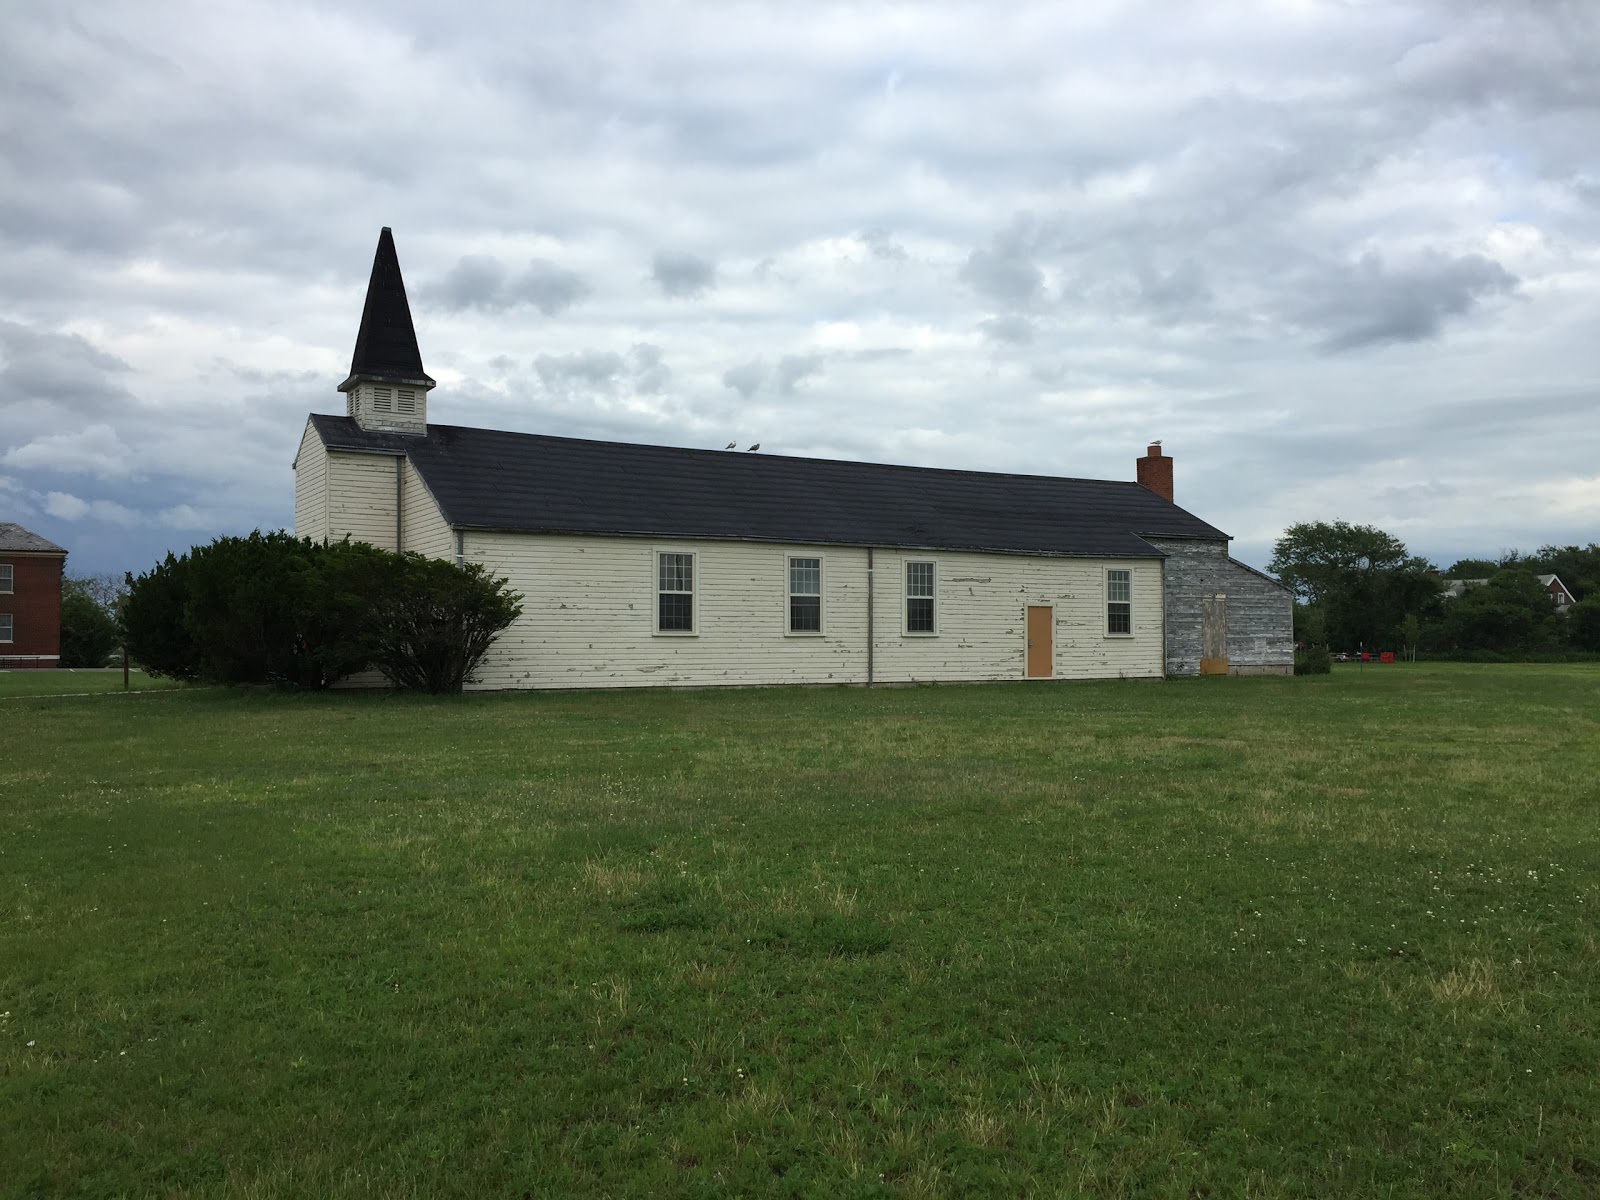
{"x": 757, "y": 446}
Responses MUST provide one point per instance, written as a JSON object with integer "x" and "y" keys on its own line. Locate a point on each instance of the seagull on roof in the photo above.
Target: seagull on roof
{"x": 731, "y": 446}
{"x": 757, "y": 446}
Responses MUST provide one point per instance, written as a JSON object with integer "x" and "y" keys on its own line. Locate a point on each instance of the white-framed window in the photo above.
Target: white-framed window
{"x": 675, "y": 591}
{"x": 922, "y": 585}
{"x": 805, "y": 594}
{"x": 1119, "y": 603}
{"x": 7, "y": 631}
{"x": 382, "y": 399}
{"x": 7, "y": 579}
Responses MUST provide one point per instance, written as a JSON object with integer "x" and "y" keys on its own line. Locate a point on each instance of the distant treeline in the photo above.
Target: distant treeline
{"x": 1358, "y": 587}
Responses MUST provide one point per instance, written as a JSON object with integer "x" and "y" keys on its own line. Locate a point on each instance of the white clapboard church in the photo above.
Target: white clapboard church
{"x": 649, "y": 566}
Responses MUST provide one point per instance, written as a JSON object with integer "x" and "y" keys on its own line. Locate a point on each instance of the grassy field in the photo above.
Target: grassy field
{"x": 1326, "y": 937}
{"x": 69, "y": 682}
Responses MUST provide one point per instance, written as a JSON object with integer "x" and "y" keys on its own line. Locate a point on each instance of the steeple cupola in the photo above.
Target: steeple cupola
{"x": 387, "y": 389}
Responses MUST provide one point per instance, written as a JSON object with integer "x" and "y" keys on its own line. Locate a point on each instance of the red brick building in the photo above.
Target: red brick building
{"x": 30, "y": 598}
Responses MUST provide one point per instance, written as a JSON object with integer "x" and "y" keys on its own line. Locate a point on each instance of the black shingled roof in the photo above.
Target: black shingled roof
{"x": 386, "y": 347}
{"x": 530, "y": 483}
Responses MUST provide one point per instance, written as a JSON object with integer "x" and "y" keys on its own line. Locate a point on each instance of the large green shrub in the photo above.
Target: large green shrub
{"x": 273, "y": 608}
{"x": 89, "y": 634}
{"x": 1313, "y": 660}
{"x": 154, "y": 623}
{"x": 434, "y": 627}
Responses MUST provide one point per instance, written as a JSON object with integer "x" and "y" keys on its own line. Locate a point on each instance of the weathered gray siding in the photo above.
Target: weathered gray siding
{"x": 1260, "y": 612}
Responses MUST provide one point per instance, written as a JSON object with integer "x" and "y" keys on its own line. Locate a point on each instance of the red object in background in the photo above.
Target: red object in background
{"x": 1386, "y": 657}
{"x": 1365, "y": 657}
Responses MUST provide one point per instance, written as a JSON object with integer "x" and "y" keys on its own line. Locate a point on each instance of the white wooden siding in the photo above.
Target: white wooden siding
{"x": 981, "y": 615}
{"x": 423, "y": 527}
{"x": 361, "y": 498}
{"x": 589, "y": 616}
{"x": 311, "y": 487}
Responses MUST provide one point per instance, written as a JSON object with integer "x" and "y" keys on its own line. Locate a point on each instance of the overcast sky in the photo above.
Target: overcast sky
{"x": 1342, "y": 258}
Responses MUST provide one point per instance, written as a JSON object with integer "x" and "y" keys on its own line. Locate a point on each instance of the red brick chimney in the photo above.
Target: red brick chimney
{"x": 1155, "y": 471}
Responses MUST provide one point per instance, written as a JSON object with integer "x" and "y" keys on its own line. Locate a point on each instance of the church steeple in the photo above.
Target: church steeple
{"x": 387, "y": 388}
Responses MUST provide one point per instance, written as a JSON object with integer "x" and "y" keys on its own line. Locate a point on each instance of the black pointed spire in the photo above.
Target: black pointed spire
{"x": 386, "y": 347}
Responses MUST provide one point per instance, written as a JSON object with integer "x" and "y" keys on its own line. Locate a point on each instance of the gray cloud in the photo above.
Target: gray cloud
{"x": 593, "y": 369}
{"x": 794, "y": 369}
{"x": 478, "y": 282}
{"x": 1367, "y": 302}
{"x": 64, "y": 370}
{"x": 883, "y": 246}
{"x": 1004, "y": 270}
{"x": 474, "y": 282}
{"x": 549, "y": 288}
{"x": 650, "y": 374}
{"x": 1175, "y": 293}
{"x": 745, "y": 378}
{"x": 1011, "y": 330}
{"x": 680, "y": 274}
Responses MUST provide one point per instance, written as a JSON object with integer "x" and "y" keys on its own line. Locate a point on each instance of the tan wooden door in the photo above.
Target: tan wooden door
{"x": 1041, "y": 653}
{"x": 1214, "y": 635}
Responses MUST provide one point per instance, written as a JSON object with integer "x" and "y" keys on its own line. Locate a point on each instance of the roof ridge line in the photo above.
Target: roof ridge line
{"x": 860, "y": 462}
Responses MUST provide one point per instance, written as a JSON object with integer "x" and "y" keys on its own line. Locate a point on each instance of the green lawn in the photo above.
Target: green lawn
{"x": 1325, "y": 937}
{"x": 71, "y": 682}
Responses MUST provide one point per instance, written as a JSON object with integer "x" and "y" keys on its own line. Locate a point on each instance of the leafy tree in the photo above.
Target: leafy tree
{"x": 1310, "y": 625}
{"x": 1583, "y": 624}
{"x": 434, "y": 628}
{"x": 1510, "y": 614}
{"x": 1410, "y": 635}
{"x": 1578, "y": 567}
{"x": 1364, "y": 580}
{"x": 89, "y": 633}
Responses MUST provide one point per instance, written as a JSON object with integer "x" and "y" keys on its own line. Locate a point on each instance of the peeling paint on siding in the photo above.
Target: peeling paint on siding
{"x": 589, "y": 602}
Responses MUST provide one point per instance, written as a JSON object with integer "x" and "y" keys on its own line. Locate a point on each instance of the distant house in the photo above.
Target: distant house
{"x": 649, "y": 566}
{"x": 1560, "y": 597}
{"x": 30, "y": 598}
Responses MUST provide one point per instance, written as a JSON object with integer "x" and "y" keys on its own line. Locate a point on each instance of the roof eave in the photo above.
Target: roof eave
{"x": 421, "y": 381}
{"x": 921, "y": 547}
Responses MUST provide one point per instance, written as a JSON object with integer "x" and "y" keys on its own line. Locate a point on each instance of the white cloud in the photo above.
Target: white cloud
{"x": 72, "y": 508}
{"x": 66, "y": 506}
{"x": 184, "y": 516}
{"x": 96, "y": 450}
